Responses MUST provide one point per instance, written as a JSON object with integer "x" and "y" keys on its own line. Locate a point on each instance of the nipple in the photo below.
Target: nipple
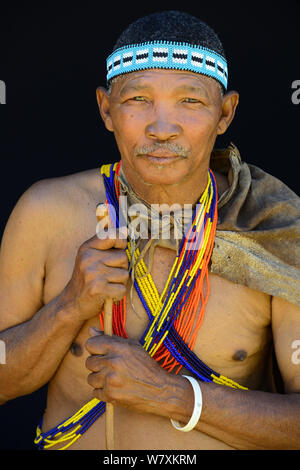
{"x": 76, "y": 349}
{"x": 239, "y": 355}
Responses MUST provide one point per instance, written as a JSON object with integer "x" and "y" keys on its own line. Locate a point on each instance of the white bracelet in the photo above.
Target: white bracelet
{"x": 197, "y": 407}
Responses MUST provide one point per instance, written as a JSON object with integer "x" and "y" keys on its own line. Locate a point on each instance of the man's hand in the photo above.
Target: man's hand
{"x": 124, "y": 374}
{"x": 100, "y": 271}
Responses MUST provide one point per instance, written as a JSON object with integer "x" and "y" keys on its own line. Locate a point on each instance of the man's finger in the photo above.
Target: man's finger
{"x": 115, "y": 258}
{"x": 103, "y": 344}
{"x": 94, "y": 364}
{"x": 96, "y": 380}
{"x": 117, "y": 275}
{"x": 98, "y": 344}
{"x": 110, "y": 238}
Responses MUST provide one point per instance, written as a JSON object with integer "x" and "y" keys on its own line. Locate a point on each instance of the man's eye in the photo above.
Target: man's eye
{"x": 190, "y": 100}
{"x": 137, "y": 98}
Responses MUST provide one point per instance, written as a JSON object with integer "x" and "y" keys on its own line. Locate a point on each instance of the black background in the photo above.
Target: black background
{"x": 52, "y": 58}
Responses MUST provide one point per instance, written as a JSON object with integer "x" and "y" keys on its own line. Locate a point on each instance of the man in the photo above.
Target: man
{"x": 165, "y": 110}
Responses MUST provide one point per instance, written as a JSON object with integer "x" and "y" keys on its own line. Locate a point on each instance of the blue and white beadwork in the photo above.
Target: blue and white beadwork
{"x": 168, "y": 55}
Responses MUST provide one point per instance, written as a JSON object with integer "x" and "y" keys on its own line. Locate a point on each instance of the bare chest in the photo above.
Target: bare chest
{"x": 234, "y": 336}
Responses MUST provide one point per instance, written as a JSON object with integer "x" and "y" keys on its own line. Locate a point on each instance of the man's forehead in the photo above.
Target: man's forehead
{"x": 176, "y": 77}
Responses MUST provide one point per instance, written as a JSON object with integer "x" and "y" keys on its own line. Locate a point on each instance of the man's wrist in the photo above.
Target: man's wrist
{"x": 197, "y": 407}
{"x": 180, "y": 401}
{"x": 68, "y": 312}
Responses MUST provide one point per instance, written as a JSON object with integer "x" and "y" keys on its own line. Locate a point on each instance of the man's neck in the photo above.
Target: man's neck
{"x": 187, "y": 191}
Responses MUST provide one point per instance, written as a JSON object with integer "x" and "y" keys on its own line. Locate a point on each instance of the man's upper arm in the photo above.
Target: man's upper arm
{"x": 286, "y": 333}
{"x": 23, "y": 254}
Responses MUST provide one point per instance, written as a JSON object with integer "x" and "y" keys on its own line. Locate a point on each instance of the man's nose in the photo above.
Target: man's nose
{"x": 163, "y": 125}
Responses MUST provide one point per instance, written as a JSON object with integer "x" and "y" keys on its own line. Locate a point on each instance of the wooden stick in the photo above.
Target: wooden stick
{"x": 109, "y": 414}
{"x": 101, "y": 212}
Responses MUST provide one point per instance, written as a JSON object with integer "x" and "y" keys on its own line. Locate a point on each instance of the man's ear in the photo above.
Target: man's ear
{"x": 104, "y": 107}
{"x": 229, "y": 105}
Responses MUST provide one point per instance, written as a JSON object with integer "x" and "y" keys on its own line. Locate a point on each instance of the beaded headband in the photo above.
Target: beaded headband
{"x": 167, "y": 55}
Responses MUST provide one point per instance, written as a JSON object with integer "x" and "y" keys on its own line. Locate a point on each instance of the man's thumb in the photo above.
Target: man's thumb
{"x": 93, "y": 331}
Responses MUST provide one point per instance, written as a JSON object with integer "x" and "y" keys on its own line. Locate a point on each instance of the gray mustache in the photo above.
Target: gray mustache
{"x": 177, "y": 149}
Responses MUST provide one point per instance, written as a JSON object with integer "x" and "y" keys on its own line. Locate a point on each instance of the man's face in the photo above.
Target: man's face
{"x": 165, "y": 123}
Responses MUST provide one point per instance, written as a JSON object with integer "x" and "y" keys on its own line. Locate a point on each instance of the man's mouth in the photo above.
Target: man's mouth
{"x": 162, "y": 158}
{"x": 163, "y": 154}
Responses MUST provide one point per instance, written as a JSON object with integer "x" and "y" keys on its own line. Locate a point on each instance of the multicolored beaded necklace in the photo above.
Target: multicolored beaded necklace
{"x": 173, "y": 319}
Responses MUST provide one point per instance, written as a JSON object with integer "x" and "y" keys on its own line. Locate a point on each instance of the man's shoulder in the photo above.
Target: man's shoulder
{"x": 55, "y": 199}
{"x": 68, "y": 189}
{"x": 86, "y": 180}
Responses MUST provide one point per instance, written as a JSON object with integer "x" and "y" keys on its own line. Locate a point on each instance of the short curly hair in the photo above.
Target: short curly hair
{"x": 171, "y": 25}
